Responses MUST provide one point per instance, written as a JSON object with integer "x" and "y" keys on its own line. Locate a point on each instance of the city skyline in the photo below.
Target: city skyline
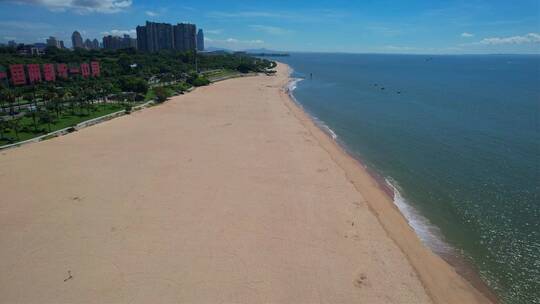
{"x": 435, "y": 27}
{"x": 154, "y": 37}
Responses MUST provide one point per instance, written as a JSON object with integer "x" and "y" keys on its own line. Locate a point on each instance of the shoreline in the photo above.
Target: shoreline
{"x": 465, "y": 271}
{"x": 241, "y": 198}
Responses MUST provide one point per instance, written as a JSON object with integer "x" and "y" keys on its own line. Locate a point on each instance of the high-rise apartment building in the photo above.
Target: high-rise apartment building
{"x": 154, "y": 37}
{"x": 200, "y": 40}
{"x": 112, "y": 42}
{"x": 142, "y": 43}
{"x": 128, "y": 42}
{"x": 115, "y": 42}
{"x": 88, "y": 44}
{"x": 52, "y": 41}
{"x": 185, "y": 37}
{"x": 76, "y": 40}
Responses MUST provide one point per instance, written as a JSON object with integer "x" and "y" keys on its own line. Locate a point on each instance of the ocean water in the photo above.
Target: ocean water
{"x": 457, "y": 137}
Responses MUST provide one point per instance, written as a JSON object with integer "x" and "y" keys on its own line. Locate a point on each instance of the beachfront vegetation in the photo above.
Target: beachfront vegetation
{"x": 161, "y": 94}
{"x": 127, "y": 78}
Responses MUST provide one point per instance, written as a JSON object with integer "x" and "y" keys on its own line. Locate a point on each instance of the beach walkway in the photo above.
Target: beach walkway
{"x": 217, "y": 196}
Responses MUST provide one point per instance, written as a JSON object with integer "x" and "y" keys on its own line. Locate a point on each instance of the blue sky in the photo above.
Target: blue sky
{"x": 408, "y": 26}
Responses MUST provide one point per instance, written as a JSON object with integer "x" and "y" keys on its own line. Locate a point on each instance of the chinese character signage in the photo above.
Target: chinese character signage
{"x": 48, "y": 72}
{"x": 95, "y": 68}
{"x": 18, "y": 72}
{"x": 34, "y": 74}
{"x": 62, "y": 70}
{"x": 85, "y": 70}
{"x": 18, "y": 77}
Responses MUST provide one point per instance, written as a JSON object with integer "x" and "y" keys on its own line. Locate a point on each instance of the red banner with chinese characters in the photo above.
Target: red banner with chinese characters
{"x": 48, "y": 72}
{"x": 85, "y": 70}
{"x": 18, "y": 77}
{"x": 62, "y": 70}
{"x": 18, "y": 72}
{"x": 34, "y": 74}
{"x": 96, "y": 70}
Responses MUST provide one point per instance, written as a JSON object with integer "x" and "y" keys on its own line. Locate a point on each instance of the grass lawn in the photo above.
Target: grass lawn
{"x": 150, "y": 95}
{"x": 65, "y": 120}
{"x": 170, "y": 89}
{"x": 218, "y": 74}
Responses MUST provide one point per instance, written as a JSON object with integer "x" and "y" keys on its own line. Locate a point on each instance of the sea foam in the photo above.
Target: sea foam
{"x": 428, "y": 233}
{"x": 291, "y": 86}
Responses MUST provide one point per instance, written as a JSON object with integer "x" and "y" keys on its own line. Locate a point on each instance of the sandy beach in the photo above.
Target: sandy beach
{"x": 228, "y": 194}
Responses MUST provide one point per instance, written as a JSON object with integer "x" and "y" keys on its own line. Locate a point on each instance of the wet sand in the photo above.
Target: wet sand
{"x": 229, "y": 194}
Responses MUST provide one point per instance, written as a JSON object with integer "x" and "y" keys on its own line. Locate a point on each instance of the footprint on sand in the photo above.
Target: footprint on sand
{"x": 357, "y": 204}
{"x": 62, "y": 274}
{"x": 353, "y": 235}
{"x": 77, "y": 200}
{"x": 361, "y": 281}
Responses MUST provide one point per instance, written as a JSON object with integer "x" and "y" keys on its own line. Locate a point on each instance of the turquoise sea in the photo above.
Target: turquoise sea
{"x": 459, "y": 139}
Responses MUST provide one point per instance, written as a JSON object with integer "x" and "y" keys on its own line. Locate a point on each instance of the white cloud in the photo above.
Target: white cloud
{"x": 528, "y": 38}
{"x": 214, "y": 32}
{"x": 233, "y": 40}
{"x": 233, "y": 43}
{"x": 21, "y": 25}
{"x": 272, "y": 30}
{"x": 400, "y": 48}
{"x": 467, "y": 35}
{"x": 81, "y": 6}
{"x": 247, "y": 14}
{"x": 297, "y": 16}
{"x": 120, "y": 32}
{"x": 151, "y": 13}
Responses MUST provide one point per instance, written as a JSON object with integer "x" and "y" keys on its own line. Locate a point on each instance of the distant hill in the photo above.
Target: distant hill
{"x": 216, "y": 49}
{"x": 263, "y": 51}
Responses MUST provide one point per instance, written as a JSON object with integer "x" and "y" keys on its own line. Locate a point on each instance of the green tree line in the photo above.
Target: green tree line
{"x": 127, "y": 77}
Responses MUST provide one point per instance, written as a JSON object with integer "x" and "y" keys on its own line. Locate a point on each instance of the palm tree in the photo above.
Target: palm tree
{"x": 66, "y": 96}
{"x": 2, "y": 101}
{"x": 73, "y": 95}
{"x": 10, "y": 98}
{"x": 59, "y": 101}
{"x": 15, "y": 124}
{"x": 33, "y": 109}
{"x": 2, "y": 126}
{"x": 45, "y": 117}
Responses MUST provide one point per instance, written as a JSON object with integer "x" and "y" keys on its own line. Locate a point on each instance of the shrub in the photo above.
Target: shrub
{"x": 200, "y": 81}
{"x": 197, "y": 80}
{"x": 245, "y": 67}
{"x": 133, "y": 84}
{"x": 161, "y": 94}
